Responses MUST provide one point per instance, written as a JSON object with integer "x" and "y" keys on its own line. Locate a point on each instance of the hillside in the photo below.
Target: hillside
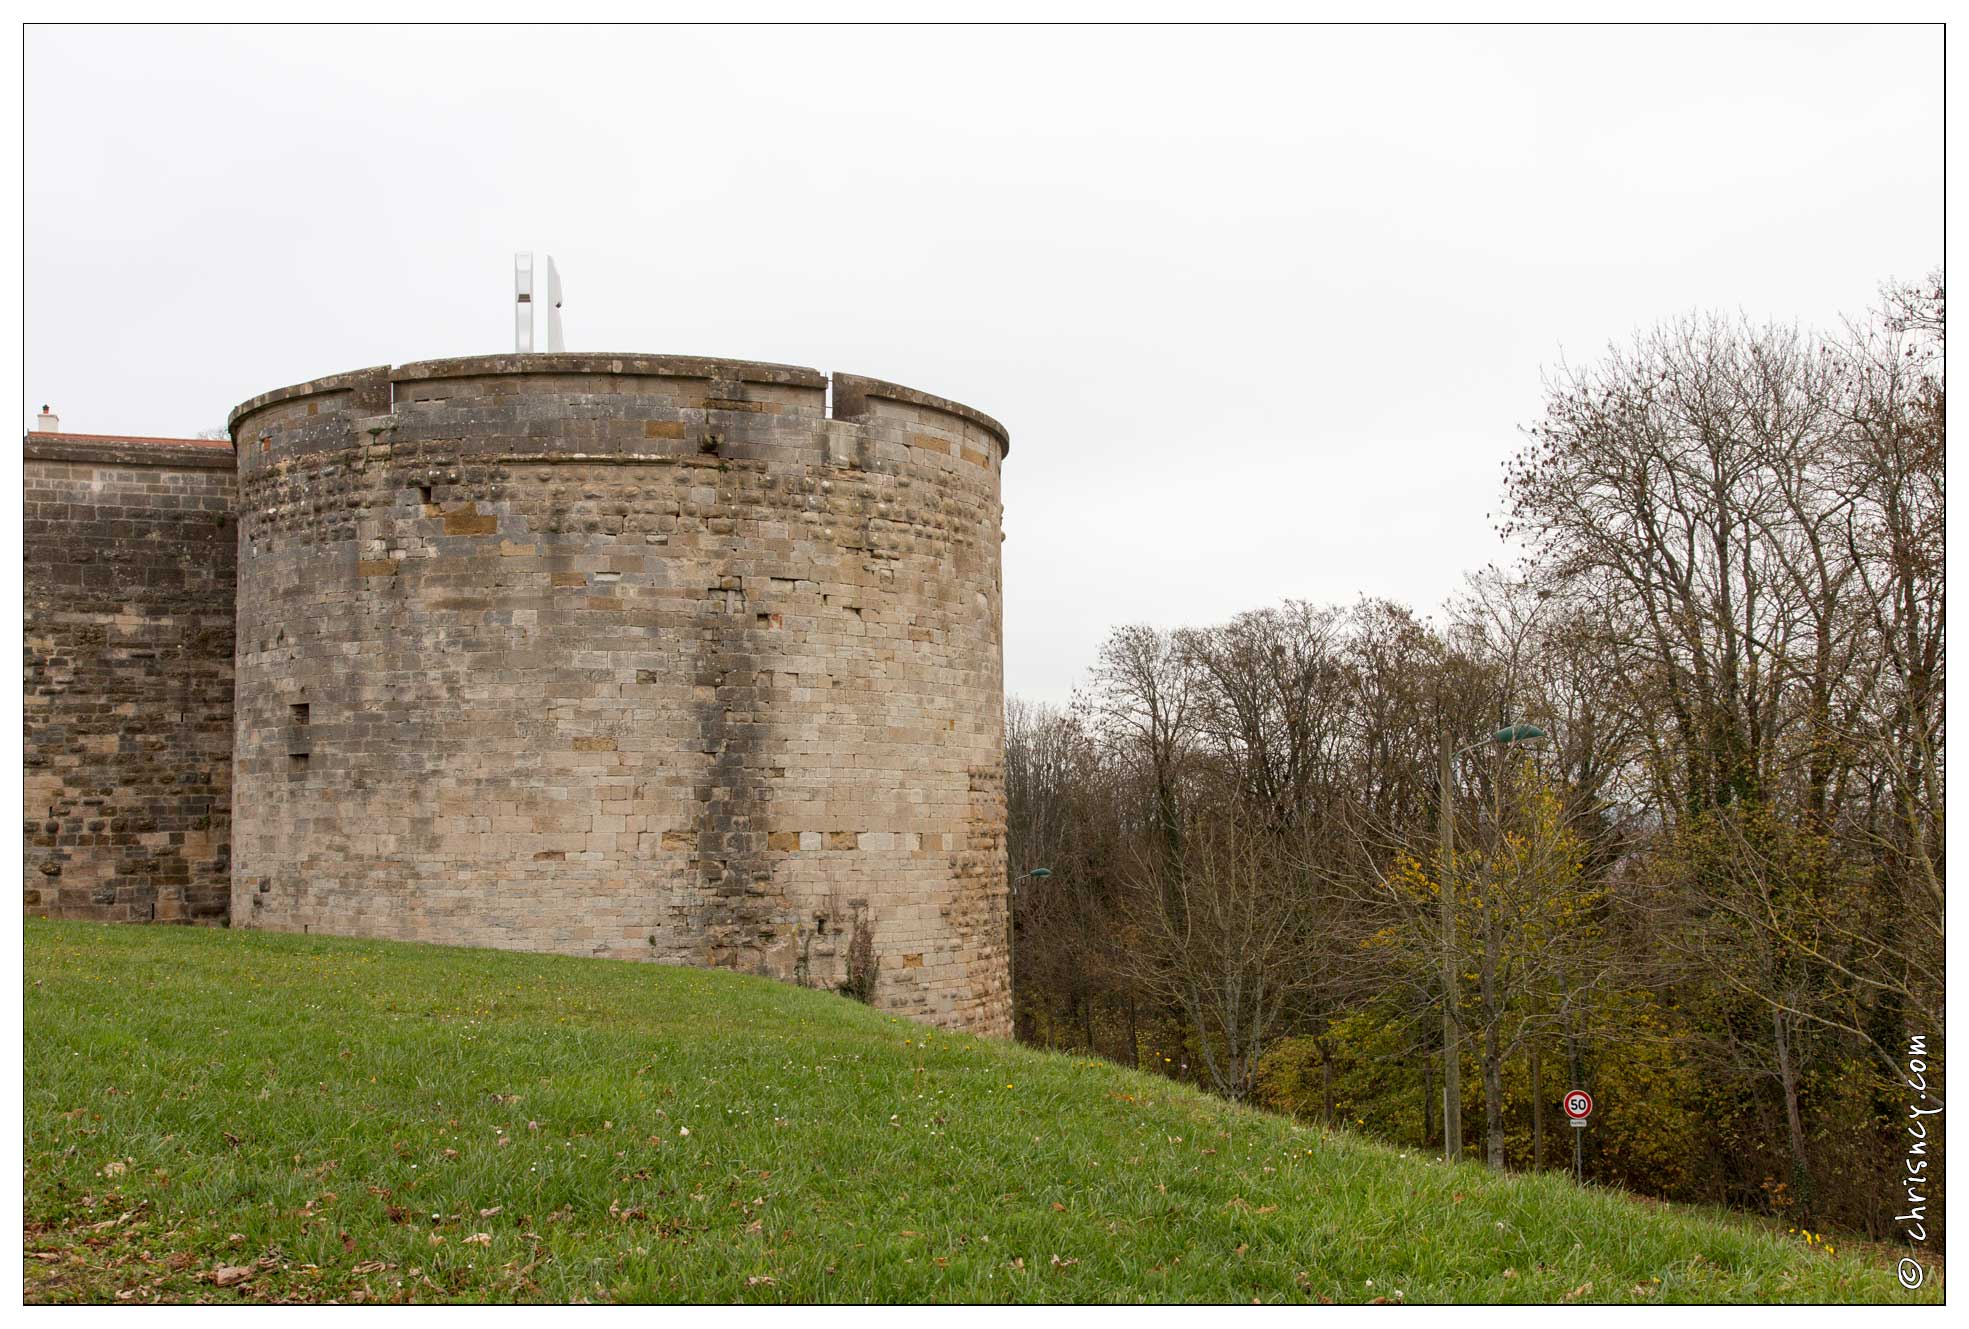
{"x": 229, "y": 1115}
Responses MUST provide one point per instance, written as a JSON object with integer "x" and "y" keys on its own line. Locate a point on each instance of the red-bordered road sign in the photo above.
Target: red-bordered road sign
{"x": 1578, "y": 1104}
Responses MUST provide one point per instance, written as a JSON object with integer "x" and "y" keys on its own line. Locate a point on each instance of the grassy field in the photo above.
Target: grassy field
{"x": 218, "y": 1116}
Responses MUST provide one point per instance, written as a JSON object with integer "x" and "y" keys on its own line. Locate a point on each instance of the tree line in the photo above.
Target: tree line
{"x": 1656, "y": 812}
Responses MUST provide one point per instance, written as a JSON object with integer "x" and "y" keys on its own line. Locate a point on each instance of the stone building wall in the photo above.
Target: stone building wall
{"x": 644, "y": 657}
{"x": 127, "y": 558}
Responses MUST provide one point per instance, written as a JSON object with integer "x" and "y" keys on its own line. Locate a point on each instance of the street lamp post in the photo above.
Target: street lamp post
{"x": 1012, "y": 895}
{"x": 1011, "y": 902}
{"x": 1446, "y": 895}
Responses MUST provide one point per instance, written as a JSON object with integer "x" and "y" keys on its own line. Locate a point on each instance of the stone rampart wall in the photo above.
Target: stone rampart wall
{"x": 128, "y": 550}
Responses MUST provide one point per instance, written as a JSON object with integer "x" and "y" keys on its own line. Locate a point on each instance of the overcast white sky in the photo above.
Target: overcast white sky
{"x": 1263, "y": 309}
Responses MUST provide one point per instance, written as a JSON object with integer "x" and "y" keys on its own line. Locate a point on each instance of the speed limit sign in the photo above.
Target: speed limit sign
{"x": 1579, "y": 1106}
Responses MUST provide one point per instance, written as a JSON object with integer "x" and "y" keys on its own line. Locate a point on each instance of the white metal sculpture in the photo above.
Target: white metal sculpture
{"x": 523, "y": 303}
{"x": 554, "y": 342}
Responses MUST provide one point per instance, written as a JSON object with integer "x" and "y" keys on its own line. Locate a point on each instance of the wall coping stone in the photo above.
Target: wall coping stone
{"x": 850, "y": 390}
{"x": 119, "y": 450}
{"x": 373, "y": 387}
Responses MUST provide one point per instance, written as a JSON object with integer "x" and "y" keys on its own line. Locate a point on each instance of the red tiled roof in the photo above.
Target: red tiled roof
{"x": 133, "y": 438}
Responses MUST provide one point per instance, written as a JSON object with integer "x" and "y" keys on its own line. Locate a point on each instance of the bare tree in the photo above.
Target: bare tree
{"x": 1221, "y": 937}
{"x": 1142, "y": 704}
{"x": 1061, "y": 815}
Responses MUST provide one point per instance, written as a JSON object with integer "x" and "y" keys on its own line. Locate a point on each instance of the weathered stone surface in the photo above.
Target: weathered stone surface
{"x": 127, "y": 593}
{"x": 667, "y": 665}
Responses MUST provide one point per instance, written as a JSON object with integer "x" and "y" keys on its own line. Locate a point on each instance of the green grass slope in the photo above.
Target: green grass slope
{"x": 218, "y": 1116}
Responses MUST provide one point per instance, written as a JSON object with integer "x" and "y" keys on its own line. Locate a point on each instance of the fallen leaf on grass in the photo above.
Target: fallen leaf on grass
{"x": 757, "y": 1279}
{"x": 479, "y": 1239}
{"x": 228, "y": 1274}
{"x": 372, "y": 1267}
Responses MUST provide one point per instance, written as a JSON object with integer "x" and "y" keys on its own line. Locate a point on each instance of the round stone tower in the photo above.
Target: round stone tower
{"x": 637, "y": 656}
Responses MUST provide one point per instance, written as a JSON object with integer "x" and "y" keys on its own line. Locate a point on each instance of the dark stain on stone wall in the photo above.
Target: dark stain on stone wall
{"x": 739, "y": 914}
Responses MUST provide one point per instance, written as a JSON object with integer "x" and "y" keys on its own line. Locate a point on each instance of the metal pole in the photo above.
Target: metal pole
{"x": 1579, "y": 1154}
{"x": 1446, "y": 893}
{"x": 1497, "y": 800}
